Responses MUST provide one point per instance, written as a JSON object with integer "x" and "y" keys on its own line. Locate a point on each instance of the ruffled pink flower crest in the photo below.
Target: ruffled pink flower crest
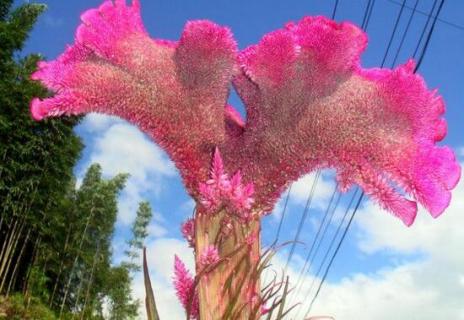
{"x": 309, "y": 105}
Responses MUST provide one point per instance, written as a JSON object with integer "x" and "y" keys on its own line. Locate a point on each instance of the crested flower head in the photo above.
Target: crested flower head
{"x": 309, "y": 105}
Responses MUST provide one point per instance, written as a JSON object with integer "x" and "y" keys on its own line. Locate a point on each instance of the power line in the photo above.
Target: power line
{"x": 393, "y": 33}
{"x": 452, "y": 24}
{"x": 429, "y": 36}
{"x": 321, "y": 225}
{"x": 334, "y": 12}
{"x": 282, "y": 215}
{"x": 366, "y": 11}
{"x": 335, "y": 254}
{"x": 300, "y": 281}
{"x": 369, "y": 14}
{"x": 346, "y": 228}
{"x": 365, "y": 23}
{"x": 332, "y": 242}
{"x": 425, "y": 28}
{"x": 362, "y": 194}
{"x": 405, "y": 33}
{"x": 303, "y": 219}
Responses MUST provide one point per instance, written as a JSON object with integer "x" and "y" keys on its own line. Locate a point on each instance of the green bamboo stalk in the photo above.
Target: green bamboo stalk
{"x": 11, "y": 256}
{"x": 7, "y": 251}
{"x": 15, "y": 270}
{"x": 60, "y": 269}
{"x": 68, "y": 284}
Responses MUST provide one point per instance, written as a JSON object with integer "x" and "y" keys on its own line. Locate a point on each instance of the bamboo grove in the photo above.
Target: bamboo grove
{"x": 55, "y": 238}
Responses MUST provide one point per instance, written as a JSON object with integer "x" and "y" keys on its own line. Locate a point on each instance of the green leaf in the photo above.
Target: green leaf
{"x": 152, "y": 312}
{"x": 282, "y": 304}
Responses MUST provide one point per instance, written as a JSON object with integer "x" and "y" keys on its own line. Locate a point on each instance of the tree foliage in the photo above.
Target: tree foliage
{"x": 139, "y": 233}
{"x": 55, "y": 238}
{"x": 36, "y": 159}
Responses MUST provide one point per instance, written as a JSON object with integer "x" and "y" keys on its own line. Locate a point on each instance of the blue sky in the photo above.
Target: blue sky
{"x": 381, "y": 262}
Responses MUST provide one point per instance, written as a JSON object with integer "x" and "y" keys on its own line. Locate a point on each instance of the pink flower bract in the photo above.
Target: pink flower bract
{"x": 188, "y": 231}
{"x": 309, "y": 105}
{"x": 183, "y": 283}
{"x": 220, "y": 191}
{"x": 209, "y": 256}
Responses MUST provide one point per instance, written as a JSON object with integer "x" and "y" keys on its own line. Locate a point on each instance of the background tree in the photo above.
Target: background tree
{"x": 55, "y": 239}
{"x": 120, "y": 307}
{"x": 36, "y": 159}
{"x": 139, "y": 233}
{"x": 86, "y": 269}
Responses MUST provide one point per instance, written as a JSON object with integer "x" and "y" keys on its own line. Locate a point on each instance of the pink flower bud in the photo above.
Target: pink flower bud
{"x": 209, "y": 256}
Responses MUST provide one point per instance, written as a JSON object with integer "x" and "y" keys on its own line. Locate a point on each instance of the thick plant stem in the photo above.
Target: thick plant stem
{"x": 231, "y": 289}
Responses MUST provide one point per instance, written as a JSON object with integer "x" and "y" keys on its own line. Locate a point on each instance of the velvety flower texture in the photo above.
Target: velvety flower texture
{"x": 309, "y": 105}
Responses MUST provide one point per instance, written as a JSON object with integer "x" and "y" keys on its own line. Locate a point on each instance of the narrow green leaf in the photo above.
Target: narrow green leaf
{"x": 152, "y": 312}
{"x": 282, "y": 304}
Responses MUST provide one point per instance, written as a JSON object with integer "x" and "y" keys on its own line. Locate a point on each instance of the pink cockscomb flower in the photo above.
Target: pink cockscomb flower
{"x": 188, "y": 231}
{"x": 264, "y": 310}
{"x": 214, "y": 190}
{"x": 241, "y": 196}
{"x": 220, "y": 191}
{"x": 309, "y": 105}
{"x": 209, "y": 256}
{"x": 183, "y": 283}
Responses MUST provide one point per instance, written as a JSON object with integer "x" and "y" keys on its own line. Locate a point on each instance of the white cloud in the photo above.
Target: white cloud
{"x": 160, "y": 256}
{"x": 461, "y": 279}
{"x": 97, "y": 122}
{"x": 277, "y": 212}
{"x": 155, "y": 230}
{"x": 429, "y": 288}
{"x": 52, "y": 21}
{"x": 460, "y": 151}
{"x": 440, "y": 238}
{"x": 323, "y": 191}
{"x": 121, "y": 148}
{"x": 156, "y": 227}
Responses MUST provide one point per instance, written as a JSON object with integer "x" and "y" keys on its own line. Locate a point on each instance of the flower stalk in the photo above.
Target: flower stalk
{"x": 231, "y": 288}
